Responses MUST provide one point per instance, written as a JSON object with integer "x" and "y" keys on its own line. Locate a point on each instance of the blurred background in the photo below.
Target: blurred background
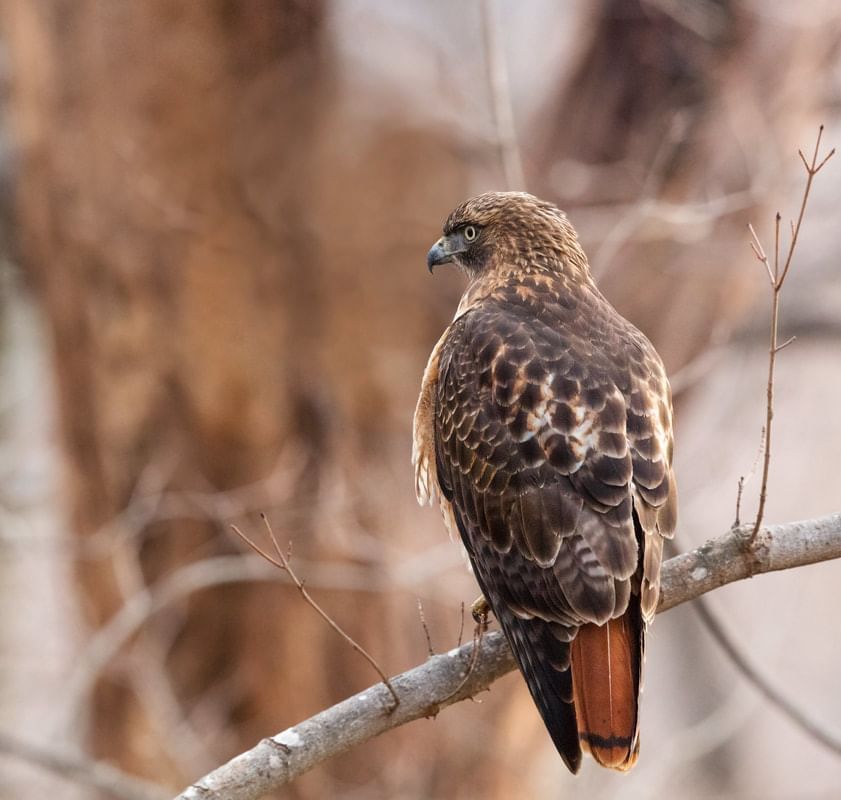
{"x": 214, "y": 303}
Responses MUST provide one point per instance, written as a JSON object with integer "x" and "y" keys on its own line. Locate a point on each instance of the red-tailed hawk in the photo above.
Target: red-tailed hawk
{"x": 544, "y": 424}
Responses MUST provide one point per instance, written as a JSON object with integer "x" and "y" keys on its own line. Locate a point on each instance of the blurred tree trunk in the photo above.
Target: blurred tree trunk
{"x": 226, "y": 305}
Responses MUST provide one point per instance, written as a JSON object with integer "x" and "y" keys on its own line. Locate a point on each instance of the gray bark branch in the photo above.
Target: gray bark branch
{"x": 425, "y": 690}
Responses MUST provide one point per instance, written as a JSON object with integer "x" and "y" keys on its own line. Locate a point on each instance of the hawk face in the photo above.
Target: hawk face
{"x": 503, "y": 231}
{"x": 465, "y": 244}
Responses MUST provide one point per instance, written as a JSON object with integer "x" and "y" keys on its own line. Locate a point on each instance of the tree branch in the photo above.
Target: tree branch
{"x": 427, "y": 689}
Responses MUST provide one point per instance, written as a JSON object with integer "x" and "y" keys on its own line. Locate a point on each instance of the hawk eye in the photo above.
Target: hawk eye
{"x": 470, "y": 233}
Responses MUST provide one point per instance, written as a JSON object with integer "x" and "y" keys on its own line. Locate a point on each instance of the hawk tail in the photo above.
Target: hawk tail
{"x": 544, "y": 662}
{"x": 606, "y": 662}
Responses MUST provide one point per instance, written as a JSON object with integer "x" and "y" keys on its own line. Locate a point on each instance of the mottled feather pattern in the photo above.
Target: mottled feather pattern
{"x": 517, "y": 407}
{"x": 551, "y": 433}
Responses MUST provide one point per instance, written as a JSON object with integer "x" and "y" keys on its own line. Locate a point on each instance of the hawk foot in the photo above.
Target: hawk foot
{"x": 480, "y": 610}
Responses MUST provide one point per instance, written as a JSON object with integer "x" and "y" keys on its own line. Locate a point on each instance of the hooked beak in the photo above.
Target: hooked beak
{"x": 439, "y": 253}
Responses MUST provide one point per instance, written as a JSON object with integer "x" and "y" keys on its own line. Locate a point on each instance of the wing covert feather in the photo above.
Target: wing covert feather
{"x": 548, "y": 442}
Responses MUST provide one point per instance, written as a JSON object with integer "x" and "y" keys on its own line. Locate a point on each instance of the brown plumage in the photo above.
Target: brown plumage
{"x": 544, "y": 425}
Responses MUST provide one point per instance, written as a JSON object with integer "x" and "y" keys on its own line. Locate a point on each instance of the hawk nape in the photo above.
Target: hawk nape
{"x": 544, "y": 424}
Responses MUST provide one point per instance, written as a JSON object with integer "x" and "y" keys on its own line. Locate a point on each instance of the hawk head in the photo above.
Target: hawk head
{"x": 507, "y": 232}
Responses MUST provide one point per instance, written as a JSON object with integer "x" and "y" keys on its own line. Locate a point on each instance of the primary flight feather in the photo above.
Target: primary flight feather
{"x": 544, "y": 425}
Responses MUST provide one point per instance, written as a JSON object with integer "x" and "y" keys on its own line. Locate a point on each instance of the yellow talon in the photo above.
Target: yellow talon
{"x": 480, "y": 611}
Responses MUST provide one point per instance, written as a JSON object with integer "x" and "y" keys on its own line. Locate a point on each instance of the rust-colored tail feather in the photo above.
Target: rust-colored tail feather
{"x": 605, "y": 681}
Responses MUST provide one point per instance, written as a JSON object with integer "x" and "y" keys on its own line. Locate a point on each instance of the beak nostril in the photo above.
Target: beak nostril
{"x": 438, "y": 254}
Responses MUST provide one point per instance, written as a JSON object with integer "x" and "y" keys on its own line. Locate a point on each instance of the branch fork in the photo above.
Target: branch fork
{"x": 777, "y": 278}
{"x": 282, "y": 562}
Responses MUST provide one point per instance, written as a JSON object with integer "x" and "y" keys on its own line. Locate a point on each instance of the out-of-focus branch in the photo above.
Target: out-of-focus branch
{"x": 78, "y": 769}
{"x": 426, "y": 690}
{"x": 506, "y": 134}
{"x": 137, "y": 610}
{"x": 782, "y": 701}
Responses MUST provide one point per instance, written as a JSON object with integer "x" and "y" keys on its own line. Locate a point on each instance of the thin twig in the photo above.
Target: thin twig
{"x": 756, "y": 246}
{"x": 474, "y": 657}
{"x": 478, "y": 634}
{"x": 786, "y": 343}
{"x": 812, "y": 169}
{"x": 429, "y": 648}
{"x": 282, "y": 562}
{"x": 739, "y": 490}
{"x": 745, "y": 479}
{"x": 497, "y": 75}
{"x": 777, "y": 279}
